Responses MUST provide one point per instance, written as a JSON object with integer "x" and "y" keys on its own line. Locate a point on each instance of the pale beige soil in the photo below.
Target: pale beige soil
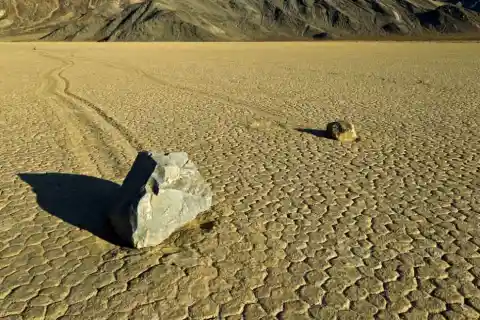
{"x": 302, "y": 227}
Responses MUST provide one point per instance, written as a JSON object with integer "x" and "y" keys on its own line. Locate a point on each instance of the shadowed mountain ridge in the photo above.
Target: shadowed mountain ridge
{"x": 217, "y": 20}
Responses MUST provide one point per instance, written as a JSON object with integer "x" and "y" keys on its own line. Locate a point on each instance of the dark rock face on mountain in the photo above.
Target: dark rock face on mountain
{"x": 447, "y": 18}
{"x": 211, "y": 20}
{"x": 467, "y": 4}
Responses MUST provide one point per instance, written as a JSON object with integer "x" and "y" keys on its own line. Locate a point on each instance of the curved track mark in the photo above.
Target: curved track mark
{"x": 74, "y": 140}
{"x": 110, "y": 120}
{"x": 94, "y": 137}
{"x": 227, "y": 100}
{"x": 279, "y": 120}
{"x": 114, "y": 123}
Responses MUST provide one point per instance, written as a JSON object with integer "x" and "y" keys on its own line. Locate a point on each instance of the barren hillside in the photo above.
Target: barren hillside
{"x": 184, "y": 20}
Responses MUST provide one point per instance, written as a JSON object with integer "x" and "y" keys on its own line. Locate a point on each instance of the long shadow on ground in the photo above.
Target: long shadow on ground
{"x": 316, "y": 132}
{"x": 80, "y": 200}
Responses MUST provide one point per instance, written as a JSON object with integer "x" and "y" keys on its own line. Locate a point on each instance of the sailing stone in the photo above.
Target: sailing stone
{"x": 161, "y": 193}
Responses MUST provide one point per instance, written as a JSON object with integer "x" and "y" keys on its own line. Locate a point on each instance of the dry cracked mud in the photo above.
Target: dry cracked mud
{"x": 302, "y": 228}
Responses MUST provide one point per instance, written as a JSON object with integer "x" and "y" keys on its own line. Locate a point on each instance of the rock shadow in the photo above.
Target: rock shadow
{"x": 316, "y": 132}
{"x": 80, "y": 200}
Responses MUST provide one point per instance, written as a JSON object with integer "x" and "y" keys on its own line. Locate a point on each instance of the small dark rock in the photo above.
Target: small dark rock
{"x": 322, "y": 36}
{"x": 342, "y": 131}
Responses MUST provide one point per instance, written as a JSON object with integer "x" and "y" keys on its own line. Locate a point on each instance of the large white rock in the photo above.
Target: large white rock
{"x": 161, "y": 193}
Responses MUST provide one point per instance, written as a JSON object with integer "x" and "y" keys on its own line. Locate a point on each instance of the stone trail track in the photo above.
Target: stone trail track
{"x": 302, "y": 227}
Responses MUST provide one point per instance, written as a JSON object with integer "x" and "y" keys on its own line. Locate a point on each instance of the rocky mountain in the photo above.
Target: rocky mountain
{"x": 212, "y": 20}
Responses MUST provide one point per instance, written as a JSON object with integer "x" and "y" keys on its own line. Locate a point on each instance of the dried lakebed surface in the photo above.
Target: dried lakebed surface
{"x": 302, "y": 226}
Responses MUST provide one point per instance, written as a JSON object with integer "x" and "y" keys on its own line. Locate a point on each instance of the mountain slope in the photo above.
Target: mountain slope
{"x": 208, "y": 20}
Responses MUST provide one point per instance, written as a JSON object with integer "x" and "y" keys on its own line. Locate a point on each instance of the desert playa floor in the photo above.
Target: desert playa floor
{"x": 302, "y": 226}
